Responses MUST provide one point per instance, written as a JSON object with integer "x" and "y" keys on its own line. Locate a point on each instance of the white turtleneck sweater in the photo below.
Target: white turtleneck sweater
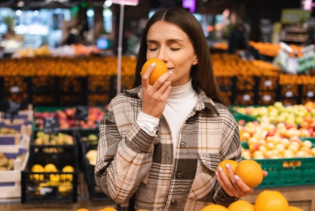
{"x": 180, "y": 102}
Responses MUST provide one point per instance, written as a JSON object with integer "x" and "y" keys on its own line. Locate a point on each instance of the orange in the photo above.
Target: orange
{"x": 142, "y": 210}
{"x": 250, "y": 172}
{"x": 159, "y": 69}
{"x": 108, "y": 209}
{"x": 232, "y": 164}
{"x": 50, "y": 168}
{"x": 291, "y": 208}
{"x": 214, "y": 207}
{"x": 241, "y": 206}
{"x": 82, "y": 209}
{"x": 271, "y": 201}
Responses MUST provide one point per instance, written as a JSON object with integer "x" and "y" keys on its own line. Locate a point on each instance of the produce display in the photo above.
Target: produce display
{"x": 64, "y": 51}
{"x": 67, "y": 120}
{"x": 303, "y": 115}
{"x": 47, "y": 178}
{"x": 47, "y": 139}
{"x": 5, "y": 163}
{"x": 270, "y": 49}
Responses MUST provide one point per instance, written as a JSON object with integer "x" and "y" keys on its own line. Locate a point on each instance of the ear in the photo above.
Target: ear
{"x": 195, "y": 61}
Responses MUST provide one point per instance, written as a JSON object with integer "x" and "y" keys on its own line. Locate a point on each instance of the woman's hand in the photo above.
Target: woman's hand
{"x": 234, "y": 187}
{"x": 154, "y": 96}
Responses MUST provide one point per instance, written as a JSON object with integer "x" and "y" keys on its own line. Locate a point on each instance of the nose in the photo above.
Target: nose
{"x": 162, "y": 54}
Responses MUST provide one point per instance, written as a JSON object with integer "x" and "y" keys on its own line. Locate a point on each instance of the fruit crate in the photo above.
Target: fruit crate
{"x": 246, "y": 83}
{"x": 95, "y": 193}
{"x": 245, "y": 98}
{"x": 268, "y": 83}
{"x": 10, "y": 179}
{"x": 99, "y": 83}
{"x": 15, "y": 88}
{"x": 226, "y": 83}
{"x": 228, "y": 97}
{"x": 96, "y": 99}
{"x": 67, "y": 114}
{"x": 54, "y": 148}
{"x": 266, "y": 97}
{"x": 50, "y": 187}
{"x": 25, "y": 115}
{"x": 286, "y": 172}
{"x": 242, "y": 117}
{"x": 44, "y": 85}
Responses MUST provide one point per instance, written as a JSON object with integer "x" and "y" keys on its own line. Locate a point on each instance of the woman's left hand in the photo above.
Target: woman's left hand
{"x": 234, "y": 187}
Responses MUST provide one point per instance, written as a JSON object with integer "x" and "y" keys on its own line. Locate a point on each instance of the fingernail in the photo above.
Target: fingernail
{"x": 236, "y": 177}
{"x": 220, "y": 169}
{"x": 216, "y": 173}
{"x": 170, "y": 72}
{"x": 227, "y": 165}
{"x": 153, "y": 64}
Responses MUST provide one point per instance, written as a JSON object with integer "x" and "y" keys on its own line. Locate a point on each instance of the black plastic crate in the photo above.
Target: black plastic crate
{"x": 54, "y": 152}
{"x": 226, "y": 83}
{"x": 95, "y": 193}
{"x": 266, "y": 97}
{"x": 97, "y": 99}
{"x": 44, "y": 84}
{"x": 99, "y": 83}
{"x": 52, "y": 187}
{"x": 245, "y": 98}
{"x": 246, "y": 83}
{"x": 268, "y": 83}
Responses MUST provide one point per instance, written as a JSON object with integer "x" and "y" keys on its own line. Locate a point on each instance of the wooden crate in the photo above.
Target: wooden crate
{"x": 10, "y": 181}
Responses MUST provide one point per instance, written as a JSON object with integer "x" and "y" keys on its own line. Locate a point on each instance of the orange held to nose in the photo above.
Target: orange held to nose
{"x": 250, "y": 172}
{"x": 159, "y": 69}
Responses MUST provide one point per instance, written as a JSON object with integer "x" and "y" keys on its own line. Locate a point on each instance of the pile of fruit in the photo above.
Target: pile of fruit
{"x": 55, "y": 178}
{"x": 66, "y": 118}
{"x": 270, "y": 49}
{"x": 233, "y": 65}
{"x": 267, "y": 200}
{"x": 59, "y": 139}
{"x": 303, "y": 115}
{"x": 73, "y": 67}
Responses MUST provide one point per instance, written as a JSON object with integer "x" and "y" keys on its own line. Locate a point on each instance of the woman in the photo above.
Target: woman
{"x": 160, "y": 144}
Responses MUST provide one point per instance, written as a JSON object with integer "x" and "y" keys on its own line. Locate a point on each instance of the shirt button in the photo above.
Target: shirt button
{"x": 182, "y": 144}
{"x": 173, "y": 202}
{"x": 179, "y": 175}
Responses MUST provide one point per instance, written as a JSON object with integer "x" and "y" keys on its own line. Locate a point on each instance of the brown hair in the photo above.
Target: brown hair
{"x": 201, "y": 74}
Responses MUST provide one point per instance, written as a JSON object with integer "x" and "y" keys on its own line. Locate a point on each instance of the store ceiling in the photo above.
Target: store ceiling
{"x": 29, "y": 4}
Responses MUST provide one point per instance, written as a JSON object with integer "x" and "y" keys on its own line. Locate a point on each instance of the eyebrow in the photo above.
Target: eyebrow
{"x": 168, "y": 41}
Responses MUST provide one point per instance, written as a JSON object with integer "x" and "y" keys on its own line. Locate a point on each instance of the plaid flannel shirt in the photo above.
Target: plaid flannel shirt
{"x": 132, "y": 164}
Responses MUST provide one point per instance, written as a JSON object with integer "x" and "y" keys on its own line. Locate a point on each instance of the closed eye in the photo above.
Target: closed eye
{"x": 152, "y": 49}
{"x": 175, "y": 49}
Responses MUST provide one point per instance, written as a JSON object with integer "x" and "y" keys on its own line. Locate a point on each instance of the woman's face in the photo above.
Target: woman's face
{"x": 166, "y": 41}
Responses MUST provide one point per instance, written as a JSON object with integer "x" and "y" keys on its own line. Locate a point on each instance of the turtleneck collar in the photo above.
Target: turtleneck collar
{"x": 182, "y": 92}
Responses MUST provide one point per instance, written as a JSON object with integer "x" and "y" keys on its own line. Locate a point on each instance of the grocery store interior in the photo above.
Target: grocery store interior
{"x": 63, "y": 61}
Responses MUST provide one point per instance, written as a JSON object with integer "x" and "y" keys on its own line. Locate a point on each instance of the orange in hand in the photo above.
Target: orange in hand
{"x": 159, "y": 69}
{"x": 223, "y": 163}
{"x": 250, "y": 172}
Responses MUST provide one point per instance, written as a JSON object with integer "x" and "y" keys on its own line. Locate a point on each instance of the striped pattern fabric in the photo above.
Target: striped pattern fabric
{"x": 134, "y": 165}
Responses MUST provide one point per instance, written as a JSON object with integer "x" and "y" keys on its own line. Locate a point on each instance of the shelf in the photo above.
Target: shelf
{"x": 294, "y": 40}
{"x": 296, "y": 30}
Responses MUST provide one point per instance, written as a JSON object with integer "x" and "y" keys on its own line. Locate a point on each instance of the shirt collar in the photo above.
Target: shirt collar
{"x": 203, "y": 100}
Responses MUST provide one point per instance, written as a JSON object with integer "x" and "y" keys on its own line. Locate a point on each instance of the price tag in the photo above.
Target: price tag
{"x": 268, "y": 83}
{"x": 81, "y": 113}
{"x": 289, "y": 94}
{"x": 246, "y": 97}
{"x": 51, "y": 125}
{"x": 267, "y": 98}
{"x": 15, "y": 89}
{"x": 310, "y": 94}
{"x": 45, "y": 190}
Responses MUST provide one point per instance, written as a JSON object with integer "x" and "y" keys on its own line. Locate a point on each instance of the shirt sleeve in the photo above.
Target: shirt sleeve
{"x": 231, "y": 150}
{"x": 148, "y": 123}
{"x": 123, "y": 161}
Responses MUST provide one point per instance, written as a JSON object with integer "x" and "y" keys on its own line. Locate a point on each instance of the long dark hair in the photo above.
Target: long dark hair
{"x": 201, "y": 74}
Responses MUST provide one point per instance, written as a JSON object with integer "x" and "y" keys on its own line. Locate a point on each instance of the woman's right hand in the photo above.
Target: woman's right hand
{"x": 154, "y": 96}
